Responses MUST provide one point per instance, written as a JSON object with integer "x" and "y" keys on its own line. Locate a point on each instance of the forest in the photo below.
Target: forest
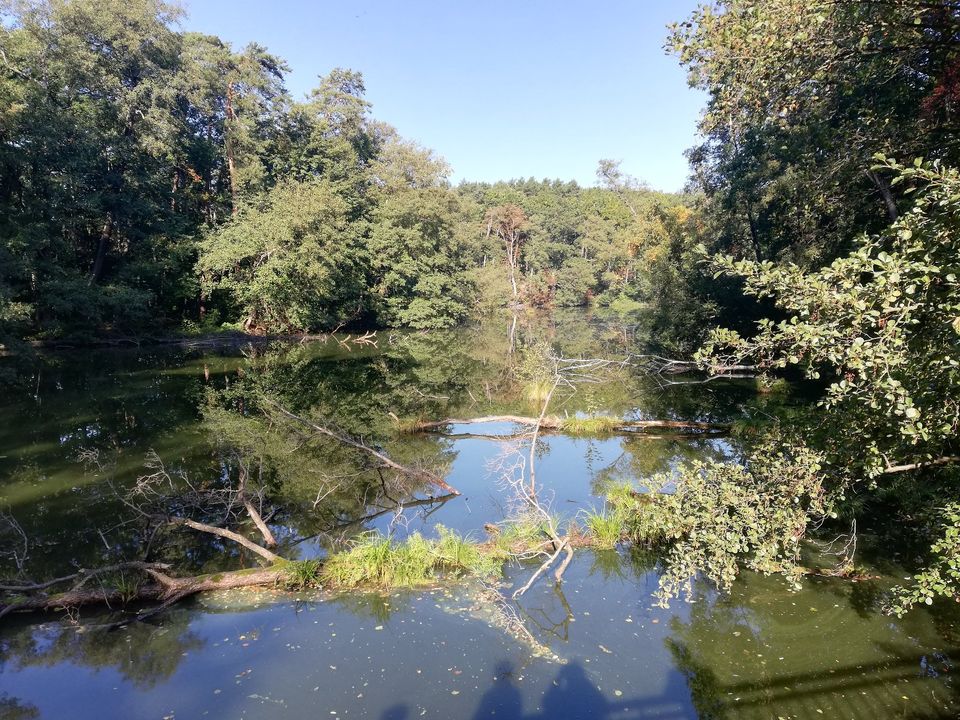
{"x": 160, "y": 184}
{"x": 157, "y": 181}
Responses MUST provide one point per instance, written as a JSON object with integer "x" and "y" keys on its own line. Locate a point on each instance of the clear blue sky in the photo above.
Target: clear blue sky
{"x": 501, "y": 89}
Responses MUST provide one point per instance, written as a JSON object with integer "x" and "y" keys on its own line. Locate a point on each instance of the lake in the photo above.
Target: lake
{"x": 83, "y": 427}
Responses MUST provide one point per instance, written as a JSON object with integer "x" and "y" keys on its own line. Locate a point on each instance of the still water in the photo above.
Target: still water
{"x": 76, "y": 435}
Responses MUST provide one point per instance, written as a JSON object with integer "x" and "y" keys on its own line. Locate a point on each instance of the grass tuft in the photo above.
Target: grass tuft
{"x": 605, "y": 528}
{"x": 301, "y": 574}
{"x": 375, "y": 561}
{"x": 596, "y": 425}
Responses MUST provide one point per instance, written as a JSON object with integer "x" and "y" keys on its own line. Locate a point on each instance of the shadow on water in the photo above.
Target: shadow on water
{"x": 571, "y": 695}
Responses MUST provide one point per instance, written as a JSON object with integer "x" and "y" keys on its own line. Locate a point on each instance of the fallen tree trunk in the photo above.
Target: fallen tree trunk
{"x": 557, "y": 423}
{"x": 163, "y": 589}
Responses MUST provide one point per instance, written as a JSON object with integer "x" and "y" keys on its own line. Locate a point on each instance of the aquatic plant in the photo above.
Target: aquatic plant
{"x": 128, "y": 585}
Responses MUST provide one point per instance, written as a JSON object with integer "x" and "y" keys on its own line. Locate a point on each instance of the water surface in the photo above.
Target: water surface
{"x": 81, "y": 424}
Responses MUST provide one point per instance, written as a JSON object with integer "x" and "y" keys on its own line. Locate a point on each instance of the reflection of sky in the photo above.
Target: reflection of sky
{"x": 573, "y": 473}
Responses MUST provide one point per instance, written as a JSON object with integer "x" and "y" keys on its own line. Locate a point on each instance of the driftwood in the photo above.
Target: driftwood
{"x": 165, "y": 589}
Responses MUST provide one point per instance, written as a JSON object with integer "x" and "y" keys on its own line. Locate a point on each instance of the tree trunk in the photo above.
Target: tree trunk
{"x": 512, "y": 264}
{"x": 102, "y": 245}
{"x": 208, "y": 181}
{"x": 165, "y": 589}
{"x": 885, "y": 193}
{"x": 754, "y": 238}
{"x": 229, "y": 149}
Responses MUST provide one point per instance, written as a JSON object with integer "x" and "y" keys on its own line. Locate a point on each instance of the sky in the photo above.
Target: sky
{"x": 501, "y": 90}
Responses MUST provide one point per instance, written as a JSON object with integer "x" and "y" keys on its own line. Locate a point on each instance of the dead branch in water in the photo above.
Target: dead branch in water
{"x": 229, "y": 535}
{"x": 564, "y": 371}
{"x": 254, "y": 514}
{"x": 660, "y": 365}
{"x": 416, "y": 473}
{"x": 432, "y": 502}
{"x": 542, "y": 569}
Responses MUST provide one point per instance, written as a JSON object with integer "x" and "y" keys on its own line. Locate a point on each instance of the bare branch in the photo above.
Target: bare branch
{"x": 946, "y": 460}
{"x": 254, "y": 514}
{"x": 229, "y": 535}
{"x": 84, "y": 575}
{"x": 419, "y": 474}
{"x": 540, "y": 570}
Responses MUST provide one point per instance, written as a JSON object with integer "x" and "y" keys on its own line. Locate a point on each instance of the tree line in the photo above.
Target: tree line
{"x": 153, "y": 179}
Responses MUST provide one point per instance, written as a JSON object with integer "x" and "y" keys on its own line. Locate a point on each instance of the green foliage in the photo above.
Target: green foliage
{"x": 942, "y": 577}
{"x": 575, "y": 283}
{"x": 151, "y": 175}
{"x": 710, "y": 517}
{"x": 801, "y": 95}
{"x": 880, "y": 327}
{"x": 292, "y": 261}
{"x": 417, "y": 266}
{"x": 570, "y": 244}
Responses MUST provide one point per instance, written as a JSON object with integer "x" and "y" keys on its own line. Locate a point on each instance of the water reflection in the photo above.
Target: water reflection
{"x": 806, "y": 655}
{"x": 145, "y": 655}
{"x": 760, "y": 652}
{"x": 196, "y": 407}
